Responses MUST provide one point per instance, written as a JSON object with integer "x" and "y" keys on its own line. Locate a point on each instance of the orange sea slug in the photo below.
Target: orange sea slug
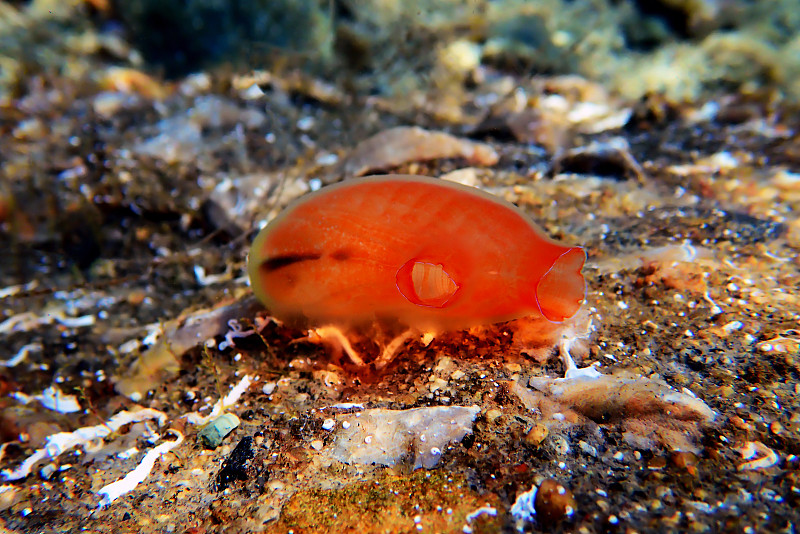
{"x": 428, "y": 254}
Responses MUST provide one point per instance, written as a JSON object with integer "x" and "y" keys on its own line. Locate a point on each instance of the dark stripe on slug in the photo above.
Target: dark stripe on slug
{"x": 342, "y": 254}
{"x": 279, "y": 262}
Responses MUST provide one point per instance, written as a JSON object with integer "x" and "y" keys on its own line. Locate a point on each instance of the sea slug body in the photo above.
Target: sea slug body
{"x": 428, "y": 254}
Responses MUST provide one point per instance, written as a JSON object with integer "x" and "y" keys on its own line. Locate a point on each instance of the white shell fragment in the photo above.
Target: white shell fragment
{"x": 21, "y": 354}
{"x": 417, "y": 436}
{"x": 758, "y": 456}
{"x": 61, "y": 442}
{"x": 117, "y": 489}
{"x": 51, "y": 398}
{"x": 523, "y": 508}
{"x": 598, "y": 395}
{"x": 648, "y": 410}
{"x": 223, "y": 404}
{"x": 403, "y": 144}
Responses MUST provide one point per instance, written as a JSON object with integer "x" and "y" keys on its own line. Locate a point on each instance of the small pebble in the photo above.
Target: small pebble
{"x": 214, "y": 432}
{"x": 685, "y": 460}
{"x": 493, "y": 414}
{"x": 553, "y": 503}
{"x": 537, "y": 434}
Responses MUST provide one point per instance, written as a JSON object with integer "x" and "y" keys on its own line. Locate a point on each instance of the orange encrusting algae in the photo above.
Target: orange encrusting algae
{"x": 429, "y": 254}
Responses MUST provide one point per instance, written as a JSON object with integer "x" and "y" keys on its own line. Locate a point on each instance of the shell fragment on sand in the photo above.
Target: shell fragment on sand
{"x": 117, "y": 489}
{"x": 648, "y": 411}
{"x": 387, "y": 437}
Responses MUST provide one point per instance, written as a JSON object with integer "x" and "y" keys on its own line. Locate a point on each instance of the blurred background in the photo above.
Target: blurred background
{"x": 683, "y": 48}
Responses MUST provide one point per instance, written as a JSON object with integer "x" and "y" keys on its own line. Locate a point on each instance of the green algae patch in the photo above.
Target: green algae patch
{"x": 436, "y": 502}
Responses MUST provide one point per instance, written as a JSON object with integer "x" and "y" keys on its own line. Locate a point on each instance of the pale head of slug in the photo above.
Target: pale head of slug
{"x": 561, "y": 290}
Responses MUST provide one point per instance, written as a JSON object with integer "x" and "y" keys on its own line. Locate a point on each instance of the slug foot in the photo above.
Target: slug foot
{"x": 338, "y": 344}
{"x": 335, "y": 342}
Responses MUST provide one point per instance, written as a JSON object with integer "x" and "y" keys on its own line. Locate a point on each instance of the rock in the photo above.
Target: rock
{"x": 214, "y": 432}
{"x": 236, "y": 464}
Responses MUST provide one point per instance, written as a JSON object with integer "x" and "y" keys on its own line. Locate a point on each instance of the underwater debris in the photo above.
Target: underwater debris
{"x": 61, "y": 442}
{"x": 10, "y": 291}
{"x": 404, "y": 144}
{"x": 666, "y": 255}
{"x": 180, "y": 138}
{"x": 524, "y": 509}
{"x": 469, "y": 176}
{"x": 548, "y": 504}
{"x": 648, "y": 410}
{"x": 488, "y": 511}
{"x": 483, "y": 510}
{"x": 529, "y": 125}
{"x": 417, "y": 436}
{"x": 684, "y": 267}
{"x": 21, "y": 354}
{"x": 611, "y": 158}
{"x": 758, "y": 456}
{"x": 132, "y": 81}
{"x": 223, "y": 404}
{"x": 51, "y": 398}
{"x": 9, "y": 495}
{"x": 213, "y": 433}
{"x": 235, "y": 465}
{"x": 117, "y": 489}
{"x": 608, "y": 397}
{"x": 786, "y": 342}
{"x": 237, "y": 331}
{"x": 26, "y": 321}
{"x": 160, "y": 361}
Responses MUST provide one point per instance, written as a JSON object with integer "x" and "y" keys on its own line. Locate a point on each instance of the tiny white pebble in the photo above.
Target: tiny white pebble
{"x": 732, "y": 326}
{"x": 305, "y": 124}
